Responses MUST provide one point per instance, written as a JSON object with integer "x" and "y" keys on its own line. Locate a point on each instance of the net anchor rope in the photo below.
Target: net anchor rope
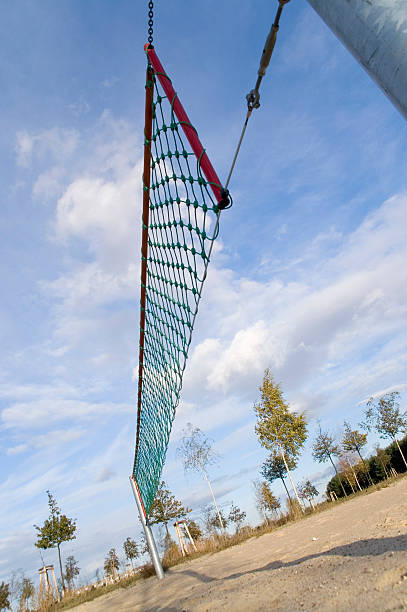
{"x": 253, "y": 97}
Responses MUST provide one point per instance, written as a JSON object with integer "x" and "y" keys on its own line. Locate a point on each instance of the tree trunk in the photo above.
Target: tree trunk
{"x": 350, "y": 484}
{"x": 339, "y": 478}
{"x": 290, "y": 477}
{"x": 60, "y": 569}
{"x": 366, "y": 468}
{"x": 286, "y": 490}
{"x": 384, "y": 469}
{"x": 213, "y": 497}
{"x": 354, "y": 473}
{"x": 401, "y": 452}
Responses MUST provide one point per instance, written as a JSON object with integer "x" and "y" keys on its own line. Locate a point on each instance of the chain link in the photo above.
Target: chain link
{"x": 150, "y": 21}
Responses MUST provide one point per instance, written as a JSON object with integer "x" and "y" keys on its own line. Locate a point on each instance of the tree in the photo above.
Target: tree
{"x": 354, "y": 440}
{"x": 384, "y": 460}
{"x": 275, "y": 467}
{"x": 143, "y": 546}
{"x": 277, "y": 426}
{"x": 71, "y": 570}
{"x": 265, "y": 500}
{"x": 212, "y": 520}
{"x": 57, "y": 528}
{"x": 384, "y": 415}
{"x": 112, "y": 563}
{"x": 197, "y": 455}
{"x": 271, "y": 503}
{"x": 26, "y": 593}
{"x": 347, "y": 471}
{"x": 237, "y": 516}
{"x": 194, "y": 529}
{"x": 324, "y": 448}
{"x": 308, "y": 491}
{"x": 130, "y": 550}
{"x": 166, "y": 508}
{"x": 4, "y": 596}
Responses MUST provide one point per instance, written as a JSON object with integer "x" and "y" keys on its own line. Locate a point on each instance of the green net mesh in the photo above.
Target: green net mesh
{"x": 183, "y": 223}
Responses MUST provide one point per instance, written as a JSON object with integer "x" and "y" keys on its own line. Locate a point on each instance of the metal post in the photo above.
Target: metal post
{"x": 375, "y": 32}
{"x": 149, "y": 534}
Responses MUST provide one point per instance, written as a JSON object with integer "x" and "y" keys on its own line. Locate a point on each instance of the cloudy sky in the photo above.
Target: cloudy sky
{"x": 308, "y": 277}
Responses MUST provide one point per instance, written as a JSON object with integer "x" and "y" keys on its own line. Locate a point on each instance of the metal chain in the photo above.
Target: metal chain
{"x": 150, "y": 21}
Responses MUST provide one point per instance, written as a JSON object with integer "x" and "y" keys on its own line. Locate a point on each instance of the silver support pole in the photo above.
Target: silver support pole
{"x": 155, "y": 558}
{"x": 375, "y": 32}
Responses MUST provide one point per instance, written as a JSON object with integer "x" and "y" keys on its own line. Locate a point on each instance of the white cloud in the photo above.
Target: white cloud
{"x": 24, "y": 147}
{"x": 16, "y": 450}
{"x": 58, "y": 144}
{"x": 351, "y": 299}
{"x": 49, "y": 183}
{"x": 37, "y": 413}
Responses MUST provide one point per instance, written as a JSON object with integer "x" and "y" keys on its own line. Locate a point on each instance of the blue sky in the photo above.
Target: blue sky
{"x": 308, "y": 276}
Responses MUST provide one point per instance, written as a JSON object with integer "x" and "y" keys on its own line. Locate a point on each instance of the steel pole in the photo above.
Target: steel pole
{"x": 155, "y": 558}
{"x": 375, "y": 32}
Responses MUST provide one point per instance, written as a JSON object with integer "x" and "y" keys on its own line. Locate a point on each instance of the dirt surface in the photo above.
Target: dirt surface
{"x": 350, "y": 557}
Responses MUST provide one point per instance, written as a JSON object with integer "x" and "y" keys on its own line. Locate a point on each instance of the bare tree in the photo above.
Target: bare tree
{"x": 237, "y": 516}
{"x": 324, "y": 448}
{"x": 211, "y": 520}
{"x": 27, "y": 593}
{"x": 308, "y": 491}
{"x": 71, "y": 570}
{"x": 197, "y": 455}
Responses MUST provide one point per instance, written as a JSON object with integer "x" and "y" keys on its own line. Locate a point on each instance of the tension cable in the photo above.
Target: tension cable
{"x": 253, "y": 97}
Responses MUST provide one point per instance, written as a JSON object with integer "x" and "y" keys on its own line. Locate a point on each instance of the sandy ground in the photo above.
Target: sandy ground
{"x": 350, "y": 557}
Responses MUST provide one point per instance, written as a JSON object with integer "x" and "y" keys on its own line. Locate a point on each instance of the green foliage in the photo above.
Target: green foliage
{"x": 274, "y": 467}
{"x": 130, "y": 549}
{"x": 166, "y": 507}
{"x": 384, "y": 415}
{"x": 271, "y": 503}
{"x": 353, "y": 439}
{"x": 384, "y": 459}
{"x": 71, "y": 570}
{"x": 57, "y": 528}
{"x": 111, "y": 564}
{"x": 236, "y": 516}
{"x": 375, "y": 469}
{"x": 276, "y": 424}
{"x": 4, "y": 596}
{"x": 265, "y": 499}
{"x": 324, "y": 447}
